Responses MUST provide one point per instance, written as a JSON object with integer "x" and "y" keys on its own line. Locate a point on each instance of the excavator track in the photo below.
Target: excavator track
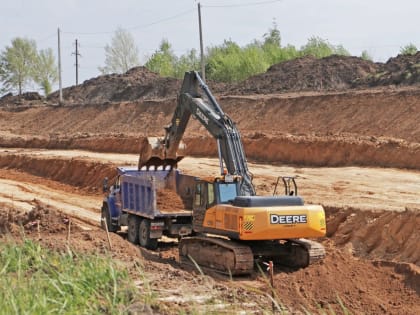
{"x": 293, "y": 253}
{"x": 316, "y": 251}
{"x": 220, "y": 255}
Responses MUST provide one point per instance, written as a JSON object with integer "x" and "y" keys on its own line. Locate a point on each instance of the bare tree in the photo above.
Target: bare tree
{"x": 122, "y": 54}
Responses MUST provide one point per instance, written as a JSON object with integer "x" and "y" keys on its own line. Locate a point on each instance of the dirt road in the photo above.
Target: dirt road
{"x": 359, "y": 187}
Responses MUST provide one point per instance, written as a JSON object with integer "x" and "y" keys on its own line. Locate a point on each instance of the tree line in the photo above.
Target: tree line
{"x": 21, "y": 63}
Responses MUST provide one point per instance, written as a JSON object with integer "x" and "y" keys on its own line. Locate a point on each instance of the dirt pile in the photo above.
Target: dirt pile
{"x": 332, "y": 73}
{"x": 136, "y": 84}
{"x": 28, "y": 99}
{"x": 308, "y": 74}
{"x": 41, "y": 217}
{"x": 384, "y": 235}
{"x": 400, "y": 70}
{"x": 342, "y": 282}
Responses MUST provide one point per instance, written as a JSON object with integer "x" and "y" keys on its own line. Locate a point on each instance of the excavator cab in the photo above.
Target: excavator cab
{"x": 220, "y": 190}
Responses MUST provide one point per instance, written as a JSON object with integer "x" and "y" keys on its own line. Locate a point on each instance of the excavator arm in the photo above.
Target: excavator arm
{"x": 208, "y": 112}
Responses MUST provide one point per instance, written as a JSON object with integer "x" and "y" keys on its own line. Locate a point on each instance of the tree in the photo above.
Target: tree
{"x": 187, "y": 62}
{"x": 321, "y": 48}
{"x": 366, "y": 56}
{"x": 273, "y": 36}
{"x": 409, "y": 49}
{"x": 122, "y": 54}
{"x": 223, "y": 62}
{"x": 17, "y": 64}
{"x": 45, "y": 71}
{"x": 163, "y": 61}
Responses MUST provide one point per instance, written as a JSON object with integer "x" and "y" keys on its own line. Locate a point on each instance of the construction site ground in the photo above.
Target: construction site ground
{"x": 356, "y": 152}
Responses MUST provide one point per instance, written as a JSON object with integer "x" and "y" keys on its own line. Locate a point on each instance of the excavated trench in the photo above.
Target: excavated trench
{"x": 372, "y": 262}
{"x": 386, "y": 235}
{"x": 323, "y": 151}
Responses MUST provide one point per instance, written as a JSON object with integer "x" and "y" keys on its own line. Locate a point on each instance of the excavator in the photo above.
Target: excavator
{"x": 232, "y": 226}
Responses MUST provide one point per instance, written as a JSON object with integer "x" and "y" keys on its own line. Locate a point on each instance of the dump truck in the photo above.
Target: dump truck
{"x": 151, "y": 204}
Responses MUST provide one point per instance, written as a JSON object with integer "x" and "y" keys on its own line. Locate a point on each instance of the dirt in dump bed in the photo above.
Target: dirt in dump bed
{"x": 169, "y": 201}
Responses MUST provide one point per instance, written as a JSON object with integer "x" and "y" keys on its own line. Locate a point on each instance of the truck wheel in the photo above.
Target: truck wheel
{"x": 105, "y": 215}
{"x": 144, "y": 235}
{"x": 133, "y": 228}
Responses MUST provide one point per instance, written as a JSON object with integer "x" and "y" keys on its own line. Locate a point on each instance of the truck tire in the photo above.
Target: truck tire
{"x": 133, "y": 228}
{"x": 105, "y": 215}
{"x": 144, "y": 235}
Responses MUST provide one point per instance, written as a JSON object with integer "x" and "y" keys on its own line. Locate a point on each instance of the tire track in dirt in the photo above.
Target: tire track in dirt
{"x": 25, "y": 196}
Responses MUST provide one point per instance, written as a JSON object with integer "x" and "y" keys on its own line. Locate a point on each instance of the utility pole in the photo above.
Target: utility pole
{"x": 59, "y": 68}
{"x": 76, "y": 53}
{"x": 203, "y": 71}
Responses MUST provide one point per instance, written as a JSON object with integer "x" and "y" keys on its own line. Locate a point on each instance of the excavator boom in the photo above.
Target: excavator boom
{"x": 218, "y": 124}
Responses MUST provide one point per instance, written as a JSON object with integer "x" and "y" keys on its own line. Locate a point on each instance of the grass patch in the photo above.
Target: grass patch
{"x": 35, "y": 280}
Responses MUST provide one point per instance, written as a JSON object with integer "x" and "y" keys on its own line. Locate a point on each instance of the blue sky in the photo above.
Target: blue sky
{"x": 381, "y": 27}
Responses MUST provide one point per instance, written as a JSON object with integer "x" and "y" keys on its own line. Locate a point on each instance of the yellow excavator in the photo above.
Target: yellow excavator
{"x": 232, "y": 227}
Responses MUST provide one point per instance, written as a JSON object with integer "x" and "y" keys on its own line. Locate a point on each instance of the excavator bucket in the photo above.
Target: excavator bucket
{"x": 153, "y": 155}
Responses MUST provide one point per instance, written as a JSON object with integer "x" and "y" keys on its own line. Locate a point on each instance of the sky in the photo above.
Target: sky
{"x": 380, "y": 27}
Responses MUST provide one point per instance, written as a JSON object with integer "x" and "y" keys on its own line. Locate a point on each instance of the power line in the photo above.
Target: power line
{"x": 137, "y": 26}
{"x": 249, "y": 4}
{"x": 46, "y": 37}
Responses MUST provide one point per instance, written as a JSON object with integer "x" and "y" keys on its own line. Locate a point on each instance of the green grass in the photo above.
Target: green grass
{"x": 34, "y": 280}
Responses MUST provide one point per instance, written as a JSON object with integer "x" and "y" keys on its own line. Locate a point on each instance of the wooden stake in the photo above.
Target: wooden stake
{"x": 68, "y": 233}
{"x": 271, "y": 267}
{"x": 107, "y": 233}
{"x": 38, "y": 229}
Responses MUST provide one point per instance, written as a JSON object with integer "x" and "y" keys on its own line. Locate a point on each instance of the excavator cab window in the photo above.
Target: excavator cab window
{"x": 210, "y": 195}
{"x": 204, "y": 195}
{"x": 198, "y": 199}
{"x": 227, "y": 191}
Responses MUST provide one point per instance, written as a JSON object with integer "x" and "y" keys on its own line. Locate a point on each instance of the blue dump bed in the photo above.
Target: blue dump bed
{"x": 139, "y": 192}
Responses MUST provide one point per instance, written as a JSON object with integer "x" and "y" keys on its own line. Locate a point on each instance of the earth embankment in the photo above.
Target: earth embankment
{"x": 371, "y": 128}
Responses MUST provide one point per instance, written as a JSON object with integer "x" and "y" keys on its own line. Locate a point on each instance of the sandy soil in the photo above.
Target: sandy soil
{"x": 336, "y": 187}
{"x": 355, "y": 151}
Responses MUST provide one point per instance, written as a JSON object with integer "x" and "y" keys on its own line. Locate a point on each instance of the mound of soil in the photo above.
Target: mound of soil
{"x": 308, "y": 74}
{"x": 137, "y": 83}
{"x": 401, "y": 70}
{"x": 385, "y": 235}
{"x": 28, "y": 98}
{"x": 41, "y": 217}
{"x": 349, "y": 285}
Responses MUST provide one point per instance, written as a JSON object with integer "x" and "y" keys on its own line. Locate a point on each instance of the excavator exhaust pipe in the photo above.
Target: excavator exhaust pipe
{"x": 153, "y": 155}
